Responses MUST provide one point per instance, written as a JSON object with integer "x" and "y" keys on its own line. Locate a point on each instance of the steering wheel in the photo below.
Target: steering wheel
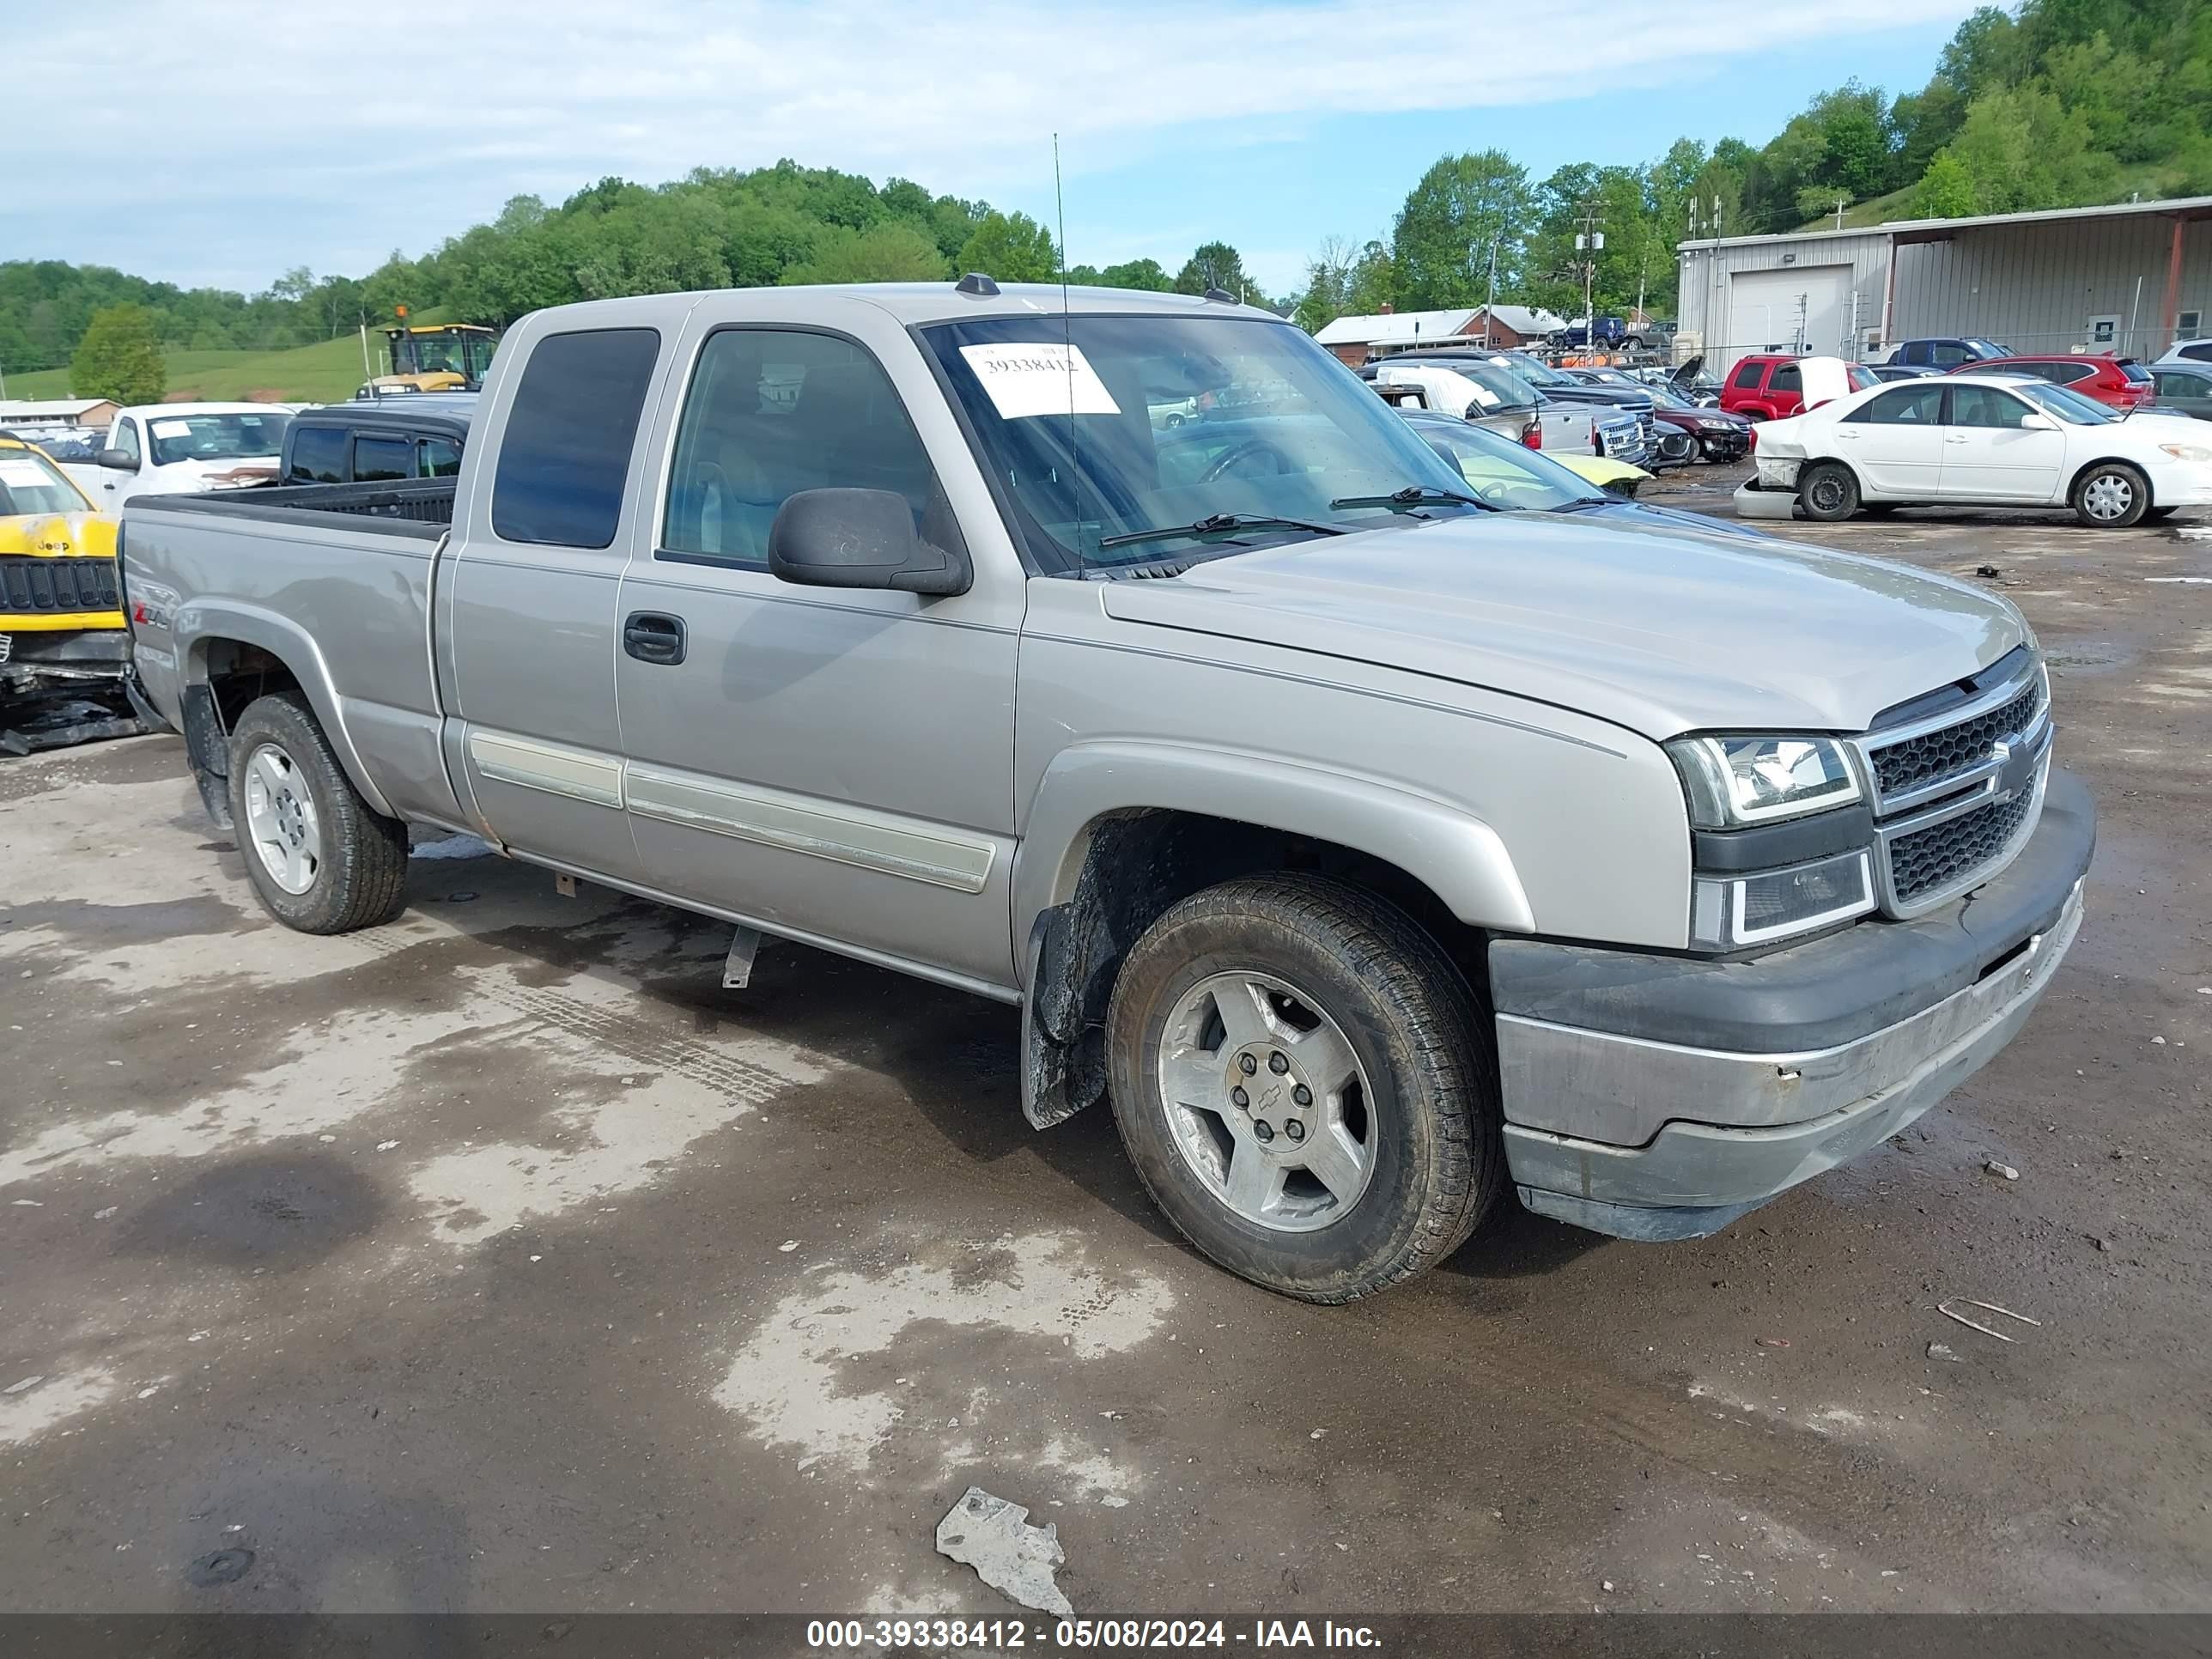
{"x": 1228, "y": 463}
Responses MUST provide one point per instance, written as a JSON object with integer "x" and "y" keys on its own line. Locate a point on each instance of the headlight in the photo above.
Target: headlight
{"x": 2187, "y": 452}
{"x": 1727, "y": 911}
{"x": 1716, "y": 426}
{"x": 1738, "y": 780}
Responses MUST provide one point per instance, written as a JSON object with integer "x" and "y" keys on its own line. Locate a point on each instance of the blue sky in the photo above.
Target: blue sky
{"x": 1270, "y": 123}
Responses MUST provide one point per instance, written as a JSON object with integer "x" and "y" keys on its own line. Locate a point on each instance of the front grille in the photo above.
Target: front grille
{"x": 1918, "y": 761}
{"x": 1929, "y": 860}
{"x": 29, "y": 586}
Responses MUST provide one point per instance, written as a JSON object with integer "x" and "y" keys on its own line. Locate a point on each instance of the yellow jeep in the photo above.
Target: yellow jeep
{"x": 61, "y": 606}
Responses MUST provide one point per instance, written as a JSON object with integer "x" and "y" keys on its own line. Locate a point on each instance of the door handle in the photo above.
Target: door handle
{"x": 1955, "y": 438}
{"x": 651, "y": 637}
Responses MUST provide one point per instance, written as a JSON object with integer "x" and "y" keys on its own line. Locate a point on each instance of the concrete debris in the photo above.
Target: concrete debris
{"x": 1997, "y": 1169}
{"x": 1987, "y": 570}
{"x": 995, "y": 1537}
{"x": 23, "y": 1387}
{"x": 1941, "y": 1351}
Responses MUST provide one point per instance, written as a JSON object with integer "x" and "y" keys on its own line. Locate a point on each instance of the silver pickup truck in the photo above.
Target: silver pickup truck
{"x": 1373, "y": 851}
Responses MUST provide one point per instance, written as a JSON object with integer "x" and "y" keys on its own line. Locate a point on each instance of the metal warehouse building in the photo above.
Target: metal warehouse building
{"x": 2132, "y": 278}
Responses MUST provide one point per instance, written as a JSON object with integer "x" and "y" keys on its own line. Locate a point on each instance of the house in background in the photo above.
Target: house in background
{"x": 1356, "y": 339}
{"x": 56, "y": 411}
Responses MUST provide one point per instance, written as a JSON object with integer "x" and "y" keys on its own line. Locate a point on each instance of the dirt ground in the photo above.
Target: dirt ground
{"x": 499, "y": 1259}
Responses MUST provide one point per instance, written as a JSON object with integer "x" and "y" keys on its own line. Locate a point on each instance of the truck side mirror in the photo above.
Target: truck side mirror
{"x": 117, "y": 460}
{"x": 861, "y": 538}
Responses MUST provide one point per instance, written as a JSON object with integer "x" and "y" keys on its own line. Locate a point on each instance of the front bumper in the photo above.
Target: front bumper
{"x": 1663, "y": 1098}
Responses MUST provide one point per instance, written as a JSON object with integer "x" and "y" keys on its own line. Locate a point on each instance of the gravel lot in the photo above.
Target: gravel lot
{"x": 499, "y": 1259}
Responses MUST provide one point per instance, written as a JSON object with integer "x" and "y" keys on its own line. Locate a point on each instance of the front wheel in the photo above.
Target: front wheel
{"x": 1300, "y": 1078}
{"x": 321, "y": 859}
{"x": 1828, "y": 491}
{"x": 2111, "y": 496}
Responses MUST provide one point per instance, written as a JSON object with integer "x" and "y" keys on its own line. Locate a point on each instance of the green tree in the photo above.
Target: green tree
{"x": 1216, "y": 264}
{"x": 1011, "y": 248}
{"x": 1454, "y": 212}
{"x": 2022, "y": 150}
{"x": 1146, "y": 274}
{"x": 1946, "y": 190}
{"x": 120, "y": 357}
{"x": 893, "y": 251}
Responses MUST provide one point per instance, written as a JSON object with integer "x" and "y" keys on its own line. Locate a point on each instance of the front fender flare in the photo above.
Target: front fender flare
{"x": 201, "y": 622}
{"x": 1454, "y": 854}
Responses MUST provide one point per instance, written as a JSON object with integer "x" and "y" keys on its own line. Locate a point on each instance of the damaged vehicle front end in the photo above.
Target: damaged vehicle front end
{"x": 64, "y": 644}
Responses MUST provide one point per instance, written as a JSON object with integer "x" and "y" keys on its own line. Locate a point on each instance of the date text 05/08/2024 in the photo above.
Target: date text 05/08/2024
{"x": 851, "y": 1635}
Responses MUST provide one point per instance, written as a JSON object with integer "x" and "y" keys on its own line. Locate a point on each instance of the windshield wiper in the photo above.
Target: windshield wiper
{"x": 1583, "y": 503}
{"x": 1220, "y": 524}
{"x": 1416, "y": 495}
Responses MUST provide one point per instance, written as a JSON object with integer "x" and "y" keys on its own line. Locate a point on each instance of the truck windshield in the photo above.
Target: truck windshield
{"x": 29, "y": 482}
{"x": 1062, "y": 411}
{"x": 175, "y": 438}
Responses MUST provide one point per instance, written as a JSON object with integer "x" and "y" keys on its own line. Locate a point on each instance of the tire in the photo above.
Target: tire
{"x": 1418, "y": 1161}
{"x": 1631, "y": 343}
{"x": 1828, "y": 491}
{"x": 298, "y": 819}
{"x": 2111, "y": 496}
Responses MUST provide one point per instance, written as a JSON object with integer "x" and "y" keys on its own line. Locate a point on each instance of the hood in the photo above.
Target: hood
{"x": 1688, "y": 372}
{"x": 58, "y": 535}
{"x": 1654, "y": 626}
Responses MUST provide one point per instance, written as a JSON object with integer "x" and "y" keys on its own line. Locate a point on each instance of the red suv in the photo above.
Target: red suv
{"x": 2120, "y": 381}
{"x": 1766, "y": 386}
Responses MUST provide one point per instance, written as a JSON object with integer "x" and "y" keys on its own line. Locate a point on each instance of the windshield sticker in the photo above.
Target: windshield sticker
{"x": 173, "y": 428}
{"x": 1053, "y": 379}
{"x": 23, "y": 475}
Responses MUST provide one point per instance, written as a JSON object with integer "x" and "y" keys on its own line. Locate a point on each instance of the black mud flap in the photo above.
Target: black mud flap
{"x": 208, "y": 747}
{"x": 1063, "y": 1061}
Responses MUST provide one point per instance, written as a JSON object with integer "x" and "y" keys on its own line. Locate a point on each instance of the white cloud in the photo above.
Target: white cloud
{"x": 405, "y": 128}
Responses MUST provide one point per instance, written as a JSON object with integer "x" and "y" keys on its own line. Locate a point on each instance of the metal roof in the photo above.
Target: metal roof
{"x": 1395, "y": 327}
{"x": 1912, "y": 230}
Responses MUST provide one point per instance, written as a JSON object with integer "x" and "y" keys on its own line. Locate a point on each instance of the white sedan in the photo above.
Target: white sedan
{"x": 1984, "y": 440}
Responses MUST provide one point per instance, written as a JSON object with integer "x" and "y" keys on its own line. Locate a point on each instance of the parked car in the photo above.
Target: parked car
{"x": 1374, "y": 853}
{"x": 1945, "y": 354}
{"x": 2182, "y": 390}
{"x": 1499, "y": 399}
{"x": 1987, "y": 439}
{"x": 1554, "y": 384}
{"x": 1513, "y": 475}
{"x": 1766, "y": 386}
{"x": 171, "y": 449}
{"x": 2121, "y": 382}
{"x": 1888, "y": 372}
{"x": 61, "y": 621}
{"x": 1610, "y": 331}
{"x": 420, "y": 435}
{"x": 2187, "y": 351}
{"x": 1687, "y": 432}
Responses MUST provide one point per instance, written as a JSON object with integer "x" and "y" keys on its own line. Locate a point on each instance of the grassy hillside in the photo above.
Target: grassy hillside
{"x": 327, "y": 372}
{"x": 2149, "y": 179}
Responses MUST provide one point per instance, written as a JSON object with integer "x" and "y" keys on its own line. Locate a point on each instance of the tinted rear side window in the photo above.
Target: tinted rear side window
{"x": 1788, "y": 378}
{"x": 375, "y": 459}
{"x": 318, "y": 455}
{"x": 565, "y": 453}
{"x": 1748, "y": 376}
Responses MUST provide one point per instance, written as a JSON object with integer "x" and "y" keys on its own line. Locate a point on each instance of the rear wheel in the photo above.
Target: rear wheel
{"x": 2111, "y": 496}
{"x": 1828, "y": 491}
{"x": 321, "y": 859}
{"x": 1300, "y": 1078}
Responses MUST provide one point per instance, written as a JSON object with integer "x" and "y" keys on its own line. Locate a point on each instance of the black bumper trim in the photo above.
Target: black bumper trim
{"x": 1832, "y": 990}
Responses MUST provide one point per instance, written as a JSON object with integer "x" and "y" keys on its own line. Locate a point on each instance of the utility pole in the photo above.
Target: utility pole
{"x": 1589, "y": 242}
{"x": 1840, "y": 200}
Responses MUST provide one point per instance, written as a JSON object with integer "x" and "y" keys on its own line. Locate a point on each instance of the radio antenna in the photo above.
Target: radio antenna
{"x": 1068, "y": 345}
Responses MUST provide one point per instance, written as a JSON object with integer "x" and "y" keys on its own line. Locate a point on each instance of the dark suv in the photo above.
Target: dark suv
{"x": 418, "y": 436}
{"x": 1947, "y": 353}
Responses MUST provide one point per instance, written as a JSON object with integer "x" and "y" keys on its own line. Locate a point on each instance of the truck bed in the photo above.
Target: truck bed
{"x": 411, "y": 507}
{"x": 334, "y": 579}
